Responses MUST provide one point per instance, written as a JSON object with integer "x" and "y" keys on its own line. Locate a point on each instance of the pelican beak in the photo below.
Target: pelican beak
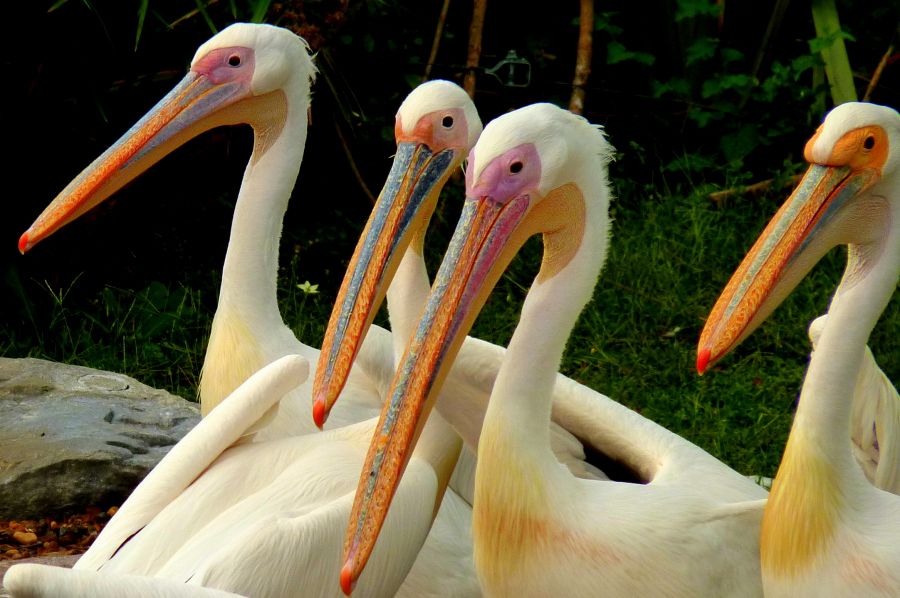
{"x": 501, "y": 212}
{"x": 195, "y": 105}
{"x": 488, "y": 235}
{"x": 818, "y": 215}
{"x": 400, "y": 217}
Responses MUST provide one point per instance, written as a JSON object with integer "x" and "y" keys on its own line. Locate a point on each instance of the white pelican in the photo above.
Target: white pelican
{"x": 826, "y": 531}
{"x": 259, "y": 76}
{"x": 283, "y": 497}
{"x": 691, "y": 530}
{"x": 435, "y": 127}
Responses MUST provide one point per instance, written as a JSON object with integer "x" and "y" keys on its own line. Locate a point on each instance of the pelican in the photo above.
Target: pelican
{"x": 260, "y": 518}
{"x": 690, "y": 530}
{"x": 826, "y": 531}
{"x": 260, "y": 76}
{"x": 435, "y": 128}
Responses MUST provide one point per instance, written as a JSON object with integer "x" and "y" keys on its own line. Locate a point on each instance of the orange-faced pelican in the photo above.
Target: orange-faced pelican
{"x": 259, "y": 518}
{"x": 826, "y": 531}
{"x": 690, "y": 530}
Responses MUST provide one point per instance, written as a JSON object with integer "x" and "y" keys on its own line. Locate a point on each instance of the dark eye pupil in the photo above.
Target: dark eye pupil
{"x": 516, "y": 167}
{"x": 447, "y": 122}
{"x": 234, "y": 60}
{"x": 869, "y": 143}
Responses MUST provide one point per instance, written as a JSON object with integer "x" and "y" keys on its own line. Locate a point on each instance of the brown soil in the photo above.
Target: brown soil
{"x": 51, "y": 536}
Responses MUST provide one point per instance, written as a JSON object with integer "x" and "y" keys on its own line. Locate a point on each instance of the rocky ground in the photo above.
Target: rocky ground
{"x": 69, "y": 437}
{"x": 50, "y": 536}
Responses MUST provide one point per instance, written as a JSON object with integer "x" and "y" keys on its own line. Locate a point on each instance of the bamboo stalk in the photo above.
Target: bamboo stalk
{"x": 479, "y": 7}
{"x": 583, "y": 58}
{"x": 436, "y": 44}
{"x": 837, "y": 65}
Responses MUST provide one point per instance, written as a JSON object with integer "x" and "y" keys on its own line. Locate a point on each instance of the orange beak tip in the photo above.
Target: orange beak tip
{"x": 319, "y": 415}
{"x": 703, "y": 360}
{"x": 347, "y": 581}
{"x": 24, "y": 245}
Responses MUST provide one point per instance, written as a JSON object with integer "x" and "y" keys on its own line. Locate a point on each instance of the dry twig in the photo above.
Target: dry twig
{"x": 583, "y": 59}
{"x": 436, "y": 44}
{"x": 479, "y": 8}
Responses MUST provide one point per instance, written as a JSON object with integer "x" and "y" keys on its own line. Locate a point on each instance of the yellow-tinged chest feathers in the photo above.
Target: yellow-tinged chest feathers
{"x": 515, "y": 523}
{"x": 509, "y": 516}
{"x": 801, "y": 516}
{"x": 232, "y": 355}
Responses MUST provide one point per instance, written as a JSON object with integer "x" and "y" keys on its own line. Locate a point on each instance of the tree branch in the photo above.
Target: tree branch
{"x": 479, "y": 7}
{"x": 583, "y": 58}
{"x": 436, "y": 44}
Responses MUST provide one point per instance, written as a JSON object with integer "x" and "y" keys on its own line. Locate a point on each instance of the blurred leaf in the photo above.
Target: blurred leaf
{"x": 259, "y": 8}
{"x": 209, "y": 22}
{"x": 603, "y": 22}
{"x": 688, "y": 9}
{"x": 616, "y": 53}
{"x": 730, "y": 55}
{"x": 703, "y": 48}
{"x": 738, "y": 145}
{"x": 677, "y": 86}
{"x": 56, "y": 5}
{"x": 142, "y": 15}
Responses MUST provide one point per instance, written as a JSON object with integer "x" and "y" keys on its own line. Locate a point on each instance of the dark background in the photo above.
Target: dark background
{"x": 75, "y": 79}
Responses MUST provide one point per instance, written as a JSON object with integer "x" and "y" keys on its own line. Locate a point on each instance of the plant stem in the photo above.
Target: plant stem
{"x": 438, "y": 33}
{"x": 474, "y": 56}
{"x": 837, "y": 65}
{"x": 583, "y": 58}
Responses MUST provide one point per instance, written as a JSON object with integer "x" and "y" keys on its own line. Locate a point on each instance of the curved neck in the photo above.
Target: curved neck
{"x": 869, "y": 280}
{"x": 521, "y": 400}
{"x": 249, "y": 276}
{"x": 818, "y": 471}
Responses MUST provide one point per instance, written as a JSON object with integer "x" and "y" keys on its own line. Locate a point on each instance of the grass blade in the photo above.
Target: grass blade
{"x": 142, "y": 15}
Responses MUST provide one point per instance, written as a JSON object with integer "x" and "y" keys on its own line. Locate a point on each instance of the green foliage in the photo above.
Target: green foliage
{"x": 157, "y": 334}
{"x": 616, "y": 53}
{"x": 689, "y": 9}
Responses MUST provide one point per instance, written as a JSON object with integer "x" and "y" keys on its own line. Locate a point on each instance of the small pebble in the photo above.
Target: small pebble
{"x": 25, "y": 537}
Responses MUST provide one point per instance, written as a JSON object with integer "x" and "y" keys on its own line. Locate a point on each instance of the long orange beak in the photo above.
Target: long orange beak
{"x": 195, "y": 105}
{"x": 401, "y": 214}
{"x": 816, "y": 217}
{"x": 490, "y": 232}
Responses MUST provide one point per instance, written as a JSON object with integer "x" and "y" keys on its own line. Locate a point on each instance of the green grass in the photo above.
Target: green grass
{"x": 670, "y": 255}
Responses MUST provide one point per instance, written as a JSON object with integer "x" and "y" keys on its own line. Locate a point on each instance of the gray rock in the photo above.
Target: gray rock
{"x": 72, "y": 436}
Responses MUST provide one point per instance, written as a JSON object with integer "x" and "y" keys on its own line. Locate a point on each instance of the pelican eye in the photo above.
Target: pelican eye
{"x": 447, "y": 122}
{"x": 516, "y": 167}
{"x": 869, "y": 143}
{"x": 234, "y": 60}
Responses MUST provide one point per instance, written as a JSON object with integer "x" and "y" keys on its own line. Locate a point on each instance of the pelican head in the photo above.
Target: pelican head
{"x": 242, "y": 75}
{"x": 435, "y": 127}
{"x": 540, "y": 169}
{"x": 847, "y": 196}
